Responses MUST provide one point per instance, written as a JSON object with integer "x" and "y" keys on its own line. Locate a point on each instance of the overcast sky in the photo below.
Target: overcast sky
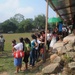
{"x": 28, "y": 8}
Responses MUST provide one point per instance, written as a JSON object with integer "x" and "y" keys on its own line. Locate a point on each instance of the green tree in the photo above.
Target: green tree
{"x": 18, "y": 17}
{"x": 39, "y": 22}
{"x": 1, "y": 30}
{"x": 12, "y": 19}
{"x": 25, "y": 25}
{"x": 28, "y": 25}
{"x": 8, "y": 26}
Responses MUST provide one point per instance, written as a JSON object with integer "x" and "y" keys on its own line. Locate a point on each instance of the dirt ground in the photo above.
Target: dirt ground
{"x": 4, "y": 73}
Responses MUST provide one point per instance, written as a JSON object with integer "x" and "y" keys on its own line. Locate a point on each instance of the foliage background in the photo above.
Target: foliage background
{"x": 18, "y": 24}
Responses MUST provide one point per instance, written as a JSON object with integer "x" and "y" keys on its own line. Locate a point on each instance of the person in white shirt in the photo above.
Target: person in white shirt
{"x": 64, "y": 30}
{"x": 18, "y": 61}
{"x": 37, "y": 53}
{"x": 2, "y": 40}
{"x": 53, "y": 40}
{"x": 48, "y": 38}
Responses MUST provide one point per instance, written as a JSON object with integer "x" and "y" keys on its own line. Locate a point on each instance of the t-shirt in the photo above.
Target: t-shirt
{"x": 48, "y": 36}
{"x": 33, "y": 44}
{"x": 64, "y": 29}
{"x": 53, "y": 41}
{"x": 38, "y": 42}
{"x": 27, "y": 46}
{"x": 1, "y": 39}
{"x": 60, "y": 27}
{"x": 19, "y": 46}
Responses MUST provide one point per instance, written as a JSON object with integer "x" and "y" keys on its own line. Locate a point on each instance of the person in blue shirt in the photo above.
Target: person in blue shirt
{"x": 32, "y": 52}
{"x": 60, "y": 27}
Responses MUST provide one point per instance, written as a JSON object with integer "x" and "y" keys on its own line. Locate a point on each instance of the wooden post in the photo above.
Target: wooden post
{"x": 44, "y": 59}
{"x": 57, "y": 17}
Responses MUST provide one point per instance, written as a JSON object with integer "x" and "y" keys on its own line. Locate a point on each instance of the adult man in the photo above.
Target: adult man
{"x": 2, "y": 42}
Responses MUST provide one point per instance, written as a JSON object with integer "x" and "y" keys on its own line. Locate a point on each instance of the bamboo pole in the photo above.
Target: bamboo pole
{"x": 46, "y": 26}
{"x": 57, "y": 17}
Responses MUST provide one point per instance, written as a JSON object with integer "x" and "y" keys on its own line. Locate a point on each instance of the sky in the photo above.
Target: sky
{"x": 28, "y": 8}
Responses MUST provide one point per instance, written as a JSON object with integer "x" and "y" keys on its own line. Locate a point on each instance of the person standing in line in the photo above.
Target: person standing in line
{"x": 48, "y": 38}
{"x": 18, "y": 61}
{"x": 60, "y": 25}
{"x": 36, "y": 48}
{"x": 32, "y": 52}
{"x": 27, "y": 52}
{"x": 53, "y": 40}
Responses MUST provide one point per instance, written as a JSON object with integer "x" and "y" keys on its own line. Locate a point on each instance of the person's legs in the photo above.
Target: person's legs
{"x": 20, "y": 66}
{"x": 37, "y": 55}
{"x": 26, "y": 60}
{"x": 17, "y": 69}
{"x": 33, "y": 57}
{"x": 30, "y": 57}
{"x": 2, "y": 46}
{"x": 26, "y": 65}
{"x": 39, "y": 50}
{"x": 48, "y": 43}
{"x": 16, "y": 64}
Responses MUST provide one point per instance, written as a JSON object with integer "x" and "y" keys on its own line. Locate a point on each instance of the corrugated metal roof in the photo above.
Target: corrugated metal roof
{"x": 64, "y": 8}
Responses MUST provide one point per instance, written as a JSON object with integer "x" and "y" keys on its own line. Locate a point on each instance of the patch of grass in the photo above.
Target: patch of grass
{"x": 6, "y": 63}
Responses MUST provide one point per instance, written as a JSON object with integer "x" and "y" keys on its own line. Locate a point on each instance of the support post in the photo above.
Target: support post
{"x": 57, "y": 17}
{"x": 44, "y": 59}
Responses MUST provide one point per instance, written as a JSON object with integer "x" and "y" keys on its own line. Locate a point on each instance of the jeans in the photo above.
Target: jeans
{"x": 32, "y": 57}
{"x": 36, "y": 54}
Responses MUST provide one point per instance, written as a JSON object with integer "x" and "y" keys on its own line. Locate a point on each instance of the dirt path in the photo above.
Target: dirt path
{"x": 4, "y": 73}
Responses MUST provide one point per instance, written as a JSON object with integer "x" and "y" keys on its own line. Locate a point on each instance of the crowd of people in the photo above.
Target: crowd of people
{"x": 34, "y": 48}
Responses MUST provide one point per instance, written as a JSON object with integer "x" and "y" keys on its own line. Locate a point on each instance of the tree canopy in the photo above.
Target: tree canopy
{"x": 17, "y": 23}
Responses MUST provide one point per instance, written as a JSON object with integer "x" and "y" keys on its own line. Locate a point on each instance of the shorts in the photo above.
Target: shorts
{"x": 17, "y": 61}
{"x": 26, "y": 57}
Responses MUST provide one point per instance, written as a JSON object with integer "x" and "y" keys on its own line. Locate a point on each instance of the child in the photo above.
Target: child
{"x": 13, "y": 43}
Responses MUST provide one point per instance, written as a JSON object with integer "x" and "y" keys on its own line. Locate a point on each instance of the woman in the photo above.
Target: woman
{"x": 53, "y": 40}
{"x": 32, "y": 52}
{"x": 18, "y": 61}
{"x": 27, "y": 52}
{"x": 48, "y": 38}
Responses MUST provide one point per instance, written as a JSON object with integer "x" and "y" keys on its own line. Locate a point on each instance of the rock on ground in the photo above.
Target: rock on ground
{"x": 52, "y": 68}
